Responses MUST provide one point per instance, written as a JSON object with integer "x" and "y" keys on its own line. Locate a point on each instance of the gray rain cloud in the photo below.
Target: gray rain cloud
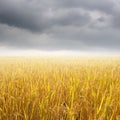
{"x": 60, "y": 24}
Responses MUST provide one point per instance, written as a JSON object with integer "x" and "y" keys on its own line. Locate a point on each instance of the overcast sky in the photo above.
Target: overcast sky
{"x": 60, "y": 25}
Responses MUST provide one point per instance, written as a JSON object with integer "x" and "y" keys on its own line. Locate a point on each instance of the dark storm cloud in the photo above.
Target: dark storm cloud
{"x": 60, "y": 24}
{"x": 22, "y": 15}
{"x": 101, "y": 5}
{"x": 37, "y": 17}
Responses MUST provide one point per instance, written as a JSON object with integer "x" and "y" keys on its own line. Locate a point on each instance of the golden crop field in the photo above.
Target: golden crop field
{"x": 60, "y": 88}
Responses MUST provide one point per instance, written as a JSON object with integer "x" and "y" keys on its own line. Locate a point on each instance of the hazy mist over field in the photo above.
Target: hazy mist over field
{"x": 38, "y": 27}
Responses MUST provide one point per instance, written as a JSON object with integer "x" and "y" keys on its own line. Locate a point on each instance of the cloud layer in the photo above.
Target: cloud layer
{"x": 60, "y": 24}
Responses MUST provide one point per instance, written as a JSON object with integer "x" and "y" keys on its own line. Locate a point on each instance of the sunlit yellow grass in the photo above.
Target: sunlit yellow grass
{"x": 59, "y": 88}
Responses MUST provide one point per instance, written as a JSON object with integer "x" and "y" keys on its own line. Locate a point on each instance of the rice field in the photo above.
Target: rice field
{"x": 60, "y": 88}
